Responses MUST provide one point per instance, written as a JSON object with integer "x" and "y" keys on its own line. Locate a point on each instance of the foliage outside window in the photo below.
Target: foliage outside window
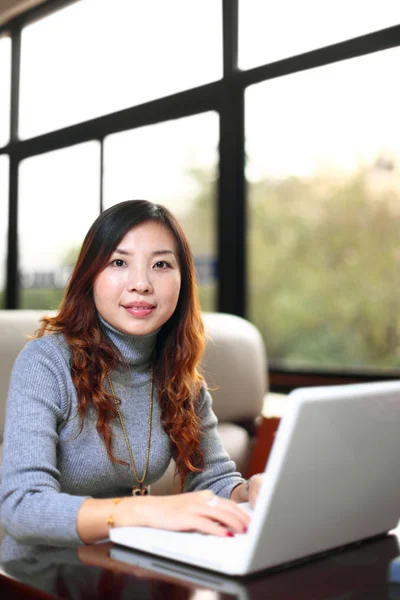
{"x": 324, "y": 214}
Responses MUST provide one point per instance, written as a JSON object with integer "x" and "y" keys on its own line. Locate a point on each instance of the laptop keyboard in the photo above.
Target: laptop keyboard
{"x": 178, "y": 542}
{"x": 196, "y": 538}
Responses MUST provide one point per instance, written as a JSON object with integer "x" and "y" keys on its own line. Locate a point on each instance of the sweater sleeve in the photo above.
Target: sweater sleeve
{"x": 219, "y": 474}
{"x": 33, "y": 509}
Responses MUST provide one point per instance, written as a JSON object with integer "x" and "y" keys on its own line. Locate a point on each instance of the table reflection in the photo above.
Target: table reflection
{"x": 109, "y": 571}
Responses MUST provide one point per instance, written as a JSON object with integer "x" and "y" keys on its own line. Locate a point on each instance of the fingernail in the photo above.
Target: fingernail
{"x": 229, "y": 534}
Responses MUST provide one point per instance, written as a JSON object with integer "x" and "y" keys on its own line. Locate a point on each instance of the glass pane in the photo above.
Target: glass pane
{"x": 324, "y": 215}
{"x": 124, "y": 53}
{"x": 5, "y": 89}
{"x": 58, "y": 201}
{"x": 3, "y": 224}
{"x": 270, "y": 31}
{"x": 174, "y": 164}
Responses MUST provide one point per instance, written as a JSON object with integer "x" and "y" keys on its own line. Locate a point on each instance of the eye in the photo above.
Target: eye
{"x": 162, "y": 264}
{"x": 118, "y": 262}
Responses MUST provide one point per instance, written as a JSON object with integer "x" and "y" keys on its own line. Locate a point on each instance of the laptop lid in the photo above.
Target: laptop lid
{"x": 332, "y": 475}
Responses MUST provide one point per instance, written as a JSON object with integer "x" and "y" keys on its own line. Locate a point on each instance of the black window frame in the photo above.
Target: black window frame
{"x": 226, "y": 97}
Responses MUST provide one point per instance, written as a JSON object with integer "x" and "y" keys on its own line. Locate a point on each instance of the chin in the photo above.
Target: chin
{"x": 137, "y": 328}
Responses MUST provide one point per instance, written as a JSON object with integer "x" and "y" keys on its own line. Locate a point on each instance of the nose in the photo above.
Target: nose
{"x": 139, "y": 281}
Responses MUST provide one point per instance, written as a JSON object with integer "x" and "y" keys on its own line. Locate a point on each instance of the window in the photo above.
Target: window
{"x": 271, "y": 31}
{"x": 5, "y": 89}
{"x": 59, "y": 199}
{"x": 96, "y": 56}
{"x": 324, "y": 213}
{"x": 174, "y": 164}
{"x": 319, "y": 215}
{"x": 3, "y": 223}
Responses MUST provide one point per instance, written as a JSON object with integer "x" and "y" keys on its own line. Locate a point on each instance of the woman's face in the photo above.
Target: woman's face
{"x": 138, "y": 290}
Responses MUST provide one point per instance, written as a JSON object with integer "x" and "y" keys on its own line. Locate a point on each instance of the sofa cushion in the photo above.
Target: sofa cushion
{"x": 14, "y": 334}
{"x": 234, "y": 366}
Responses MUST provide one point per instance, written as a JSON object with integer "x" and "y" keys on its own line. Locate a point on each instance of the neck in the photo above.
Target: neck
{"x": 135, "y": 349}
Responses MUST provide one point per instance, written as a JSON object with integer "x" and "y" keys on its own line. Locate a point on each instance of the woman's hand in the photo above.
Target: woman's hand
{"x": 248, "y": 491}
{"x": 253, "y": 486}
{"x": 193, "y": 511}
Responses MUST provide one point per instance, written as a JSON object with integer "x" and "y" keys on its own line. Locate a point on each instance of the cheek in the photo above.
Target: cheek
{"x": 175, "y": 289}
{"x": 105, "y": 287}
{"x": 168, "y": 291}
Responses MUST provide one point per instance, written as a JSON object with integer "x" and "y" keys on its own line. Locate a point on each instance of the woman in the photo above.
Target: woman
{"x": 109, "y": 391}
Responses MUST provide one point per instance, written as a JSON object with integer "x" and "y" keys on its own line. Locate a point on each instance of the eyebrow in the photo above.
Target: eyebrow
{"x": 155, "y": 253}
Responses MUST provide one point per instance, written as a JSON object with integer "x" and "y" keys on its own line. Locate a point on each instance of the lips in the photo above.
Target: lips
{"x": 139, "y": 305}
{"x": 140, "y": 309}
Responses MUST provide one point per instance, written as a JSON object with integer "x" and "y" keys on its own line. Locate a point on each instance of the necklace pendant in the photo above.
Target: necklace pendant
{"x": 140, "y": 491}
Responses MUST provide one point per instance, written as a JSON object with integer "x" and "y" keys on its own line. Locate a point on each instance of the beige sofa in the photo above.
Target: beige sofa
{"x": 235, "y": 364}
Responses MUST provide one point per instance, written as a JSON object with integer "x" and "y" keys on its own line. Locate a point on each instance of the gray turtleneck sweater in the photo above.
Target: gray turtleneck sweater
{"x": 50, "y": 467}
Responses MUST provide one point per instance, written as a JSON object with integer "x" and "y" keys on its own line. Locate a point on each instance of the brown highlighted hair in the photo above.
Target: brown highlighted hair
{"x": 179, "y": 345}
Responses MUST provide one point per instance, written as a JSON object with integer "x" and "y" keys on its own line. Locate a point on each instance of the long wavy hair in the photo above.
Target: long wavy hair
{"x": 179, "y": 344}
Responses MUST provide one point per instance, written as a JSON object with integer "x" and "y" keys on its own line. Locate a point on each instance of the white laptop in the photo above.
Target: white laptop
{"x": 332, "y": 479}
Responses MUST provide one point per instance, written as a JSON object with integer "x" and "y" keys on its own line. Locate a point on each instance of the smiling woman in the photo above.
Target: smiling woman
{"x": 139, "y": 292}
{"x": 122, "y": 354}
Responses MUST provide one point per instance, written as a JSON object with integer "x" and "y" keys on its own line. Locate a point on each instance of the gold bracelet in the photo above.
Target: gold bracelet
{"x": 110, "y": 520}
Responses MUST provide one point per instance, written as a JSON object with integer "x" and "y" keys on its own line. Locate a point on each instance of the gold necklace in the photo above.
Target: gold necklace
{"x": 141, "y": 490}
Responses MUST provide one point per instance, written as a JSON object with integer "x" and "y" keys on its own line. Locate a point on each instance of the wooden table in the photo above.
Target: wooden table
{"x": 359, "y": 573}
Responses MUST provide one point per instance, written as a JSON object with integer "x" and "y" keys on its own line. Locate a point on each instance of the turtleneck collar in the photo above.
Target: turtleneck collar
{"x": 135, "y": 349}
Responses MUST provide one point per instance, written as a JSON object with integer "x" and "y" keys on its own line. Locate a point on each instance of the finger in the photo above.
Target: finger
{"x": 253, "y": 496}
{"x": 254, "y": 489}
{"x": 204, "y": 495}
{"x": 210, "y": 527}
{"x": 256, "y": 481}
{"x": 240, "y": 512}
{"x": 226, "y": 504}
{"x": 229, "y": 515}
